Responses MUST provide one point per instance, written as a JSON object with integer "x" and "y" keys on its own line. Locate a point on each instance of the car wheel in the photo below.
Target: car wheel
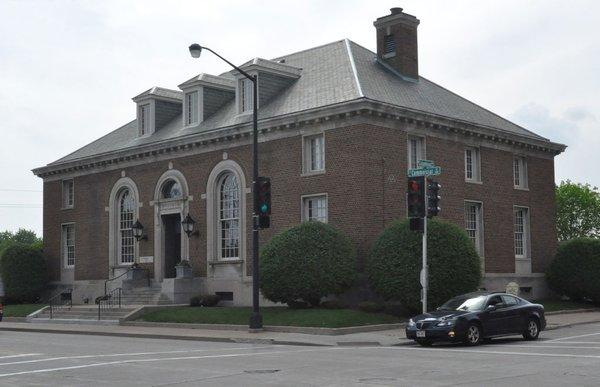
{"x": 532, "y": 331}
{"x": 425, "y": 343}
{"x": 473, "y": 335}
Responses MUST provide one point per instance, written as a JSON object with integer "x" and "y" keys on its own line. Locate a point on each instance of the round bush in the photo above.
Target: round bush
{"x": 306, "y": 263}
{"x": 575, "y": 271}
{"x": 23, "y": 270}
{"x": 395, "y": 262}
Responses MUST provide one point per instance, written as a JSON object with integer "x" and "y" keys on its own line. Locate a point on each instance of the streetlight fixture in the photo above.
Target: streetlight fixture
{"x": 188, "y": 224}
{"x": 138, "y": 231}
{"x": 255, "y": 318}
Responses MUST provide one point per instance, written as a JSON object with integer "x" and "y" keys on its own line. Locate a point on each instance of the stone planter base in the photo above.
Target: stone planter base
{"x": 183, "y": 271}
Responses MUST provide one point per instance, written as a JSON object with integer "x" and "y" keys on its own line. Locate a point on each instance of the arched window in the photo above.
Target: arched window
{"x": 126, "y": 206}
{"x": 171, "y": 190}
{"x": 229, "y": 217}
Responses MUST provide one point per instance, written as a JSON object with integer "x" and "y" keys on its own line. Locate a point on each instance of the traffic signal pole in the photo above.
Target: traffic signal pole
{"x": 425, "y": 269}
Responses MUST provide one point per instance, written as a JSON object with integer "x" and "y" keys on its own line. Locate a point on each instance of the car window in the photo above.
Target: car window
{"x": 510, "y": 300}
{"x": 495, "y": 300}
{"x": 465, "y": 302}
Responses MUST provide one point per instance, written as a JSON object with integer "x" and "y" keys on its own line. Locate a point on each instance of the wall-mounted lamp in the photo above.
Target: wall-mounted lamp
{"x": 188, "y": 226}
{"x": 138, "y": 231}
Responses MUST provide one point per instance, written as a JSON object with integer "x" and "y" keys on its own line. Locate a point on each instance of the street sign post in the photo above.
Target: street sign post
{"x": 425, "y": 168}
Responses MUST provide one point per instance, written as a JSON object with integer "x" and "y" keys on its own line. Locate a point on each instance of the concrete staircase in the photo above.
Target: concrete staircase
{"x": 144, "y": 295}
{"x": 82, "y": 315}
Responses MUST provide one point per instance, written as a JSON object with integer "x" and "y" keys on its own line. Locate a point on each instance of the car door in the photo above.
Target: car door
{"x": 513, "y": 314}
{"x": 493, "y": 321}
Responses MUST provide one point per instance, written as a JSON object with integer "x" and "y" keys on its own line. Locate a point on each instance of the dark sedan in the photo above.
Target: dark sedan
{"x": 474, "y": 317}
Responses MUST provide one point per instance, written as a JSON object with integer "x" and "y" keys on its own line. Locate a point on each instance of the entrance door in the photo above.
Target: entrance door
{"x": 172, "y": 246}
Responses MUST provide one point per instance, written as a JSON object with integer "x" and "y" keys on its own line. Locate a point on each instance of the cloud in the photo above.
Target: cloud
{"x": 578, "y": 128}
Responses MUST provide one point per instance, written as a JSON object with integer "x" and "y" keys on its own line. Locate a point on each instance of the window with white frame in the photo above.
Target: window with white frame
{"x": 246, "y": 95}
{"x": 474, "y": 224}
{"x": 521, "y": 232}
{"x": 520, "y": 172}
{"x": 68, "y": 245}
{"x": 416, "y": 151}
{"x": 472, "y": 164}
{"x": 68, "y": 193}
{"x": 144, "y": 118}
{"x": 314, "y": 153}
{"x": 126, "y": 239}
{"x": 229, "y": 217}
{"x": 191, "y": 106}
{"x": 315, "y": 208}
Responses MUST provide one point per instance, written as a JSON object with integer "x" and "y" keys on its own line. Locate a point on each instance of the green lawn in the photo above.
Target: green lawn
{"x": 21, "y": 310}
{"x": 554, "y": 305}
{"x": 327, "y": 318}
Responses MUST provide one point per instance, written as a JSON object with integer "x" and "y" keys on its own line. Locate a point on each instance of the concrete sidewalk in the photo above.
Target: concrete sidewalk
{"x": 384, "y": 338}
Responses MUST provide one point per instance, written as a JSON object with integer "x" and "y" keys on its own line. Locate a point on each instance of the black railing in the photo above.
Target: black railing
{"x": 124, "y": 273}
{"x": 109, "y": 301}
{"x": 60, "y": 301}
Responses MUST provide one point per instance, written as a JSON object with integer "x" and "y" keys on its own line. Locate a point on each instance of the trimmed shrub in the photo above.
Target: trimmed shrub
{"x": 395, "y": 263}
{"x": 333, "y": 304}
{"x": 575, "y": 271}
{"x": 23, "y": 270}
{"x": 306, "y": 263}
{"x": 205, "y": 300}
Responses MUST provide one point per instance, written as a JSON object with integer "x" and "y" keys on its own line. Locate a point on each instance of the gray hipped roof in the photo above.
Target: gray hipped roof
{"x": 334, "y": 73}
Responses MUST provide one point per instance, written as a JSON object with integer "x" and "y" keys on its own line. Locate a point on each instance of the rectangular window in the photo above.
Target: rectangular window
{"x": 314, "y": 153}
{"x": 68, "y": 245}
{"x": 521, "y": 232}
{"x": 191, "y": 105}
{"x": 416, "y": 151}
{"x": 246, "y": 95}
{"x": 144, "y": 118}
{"x": 315, "y": 208}
{"x": 68, "y": 193}
{"x": 472, "y": 165}
{"x": 520, "y": 172}
{"x": 474, "y": 224}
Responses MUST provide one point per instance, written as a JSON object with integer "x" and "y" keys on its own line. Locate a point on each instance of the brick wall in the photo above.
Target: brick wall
{"x": 365, "y": 180}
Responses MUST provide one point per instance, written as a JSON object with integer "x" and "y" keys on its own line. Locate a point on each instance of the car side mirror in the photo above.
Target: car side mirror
{"x": 491, "y": 308}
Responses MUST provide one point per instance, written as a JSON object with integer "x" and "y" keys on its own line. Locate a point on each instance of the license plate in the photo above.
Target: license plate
{"x": 420, "y": 333}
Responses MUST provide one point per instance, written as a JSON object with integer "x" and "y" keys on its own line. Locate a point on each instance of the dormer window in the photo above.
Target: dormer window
{"x": 191, "y": 104}
{"x": 144, "y": 119}
{"x": 246, "y": 92}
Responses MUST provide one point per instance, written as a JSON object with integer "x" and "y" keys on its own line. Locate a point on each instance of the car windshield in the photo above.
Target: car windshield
{"x": 466, "y": 303}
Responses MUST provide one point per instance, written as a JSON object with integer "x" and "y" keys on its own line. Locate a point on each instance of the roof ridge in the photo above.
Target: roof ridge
{"x": 353, "y": 66}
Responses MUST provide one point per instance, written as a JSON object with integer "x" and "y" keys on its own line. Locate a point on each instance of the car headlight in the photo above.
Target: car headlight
{"x": 446, "y": 323}
{"x": 411, "y": 323}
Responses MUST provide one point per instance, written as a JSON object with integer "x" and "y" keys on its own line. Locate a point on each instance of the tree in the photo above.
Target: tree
{"x": 23, "y": 270}
{"x": 394, "y": 264}
{"x": 577, "y": 211}
{"x": 306, "y": 263}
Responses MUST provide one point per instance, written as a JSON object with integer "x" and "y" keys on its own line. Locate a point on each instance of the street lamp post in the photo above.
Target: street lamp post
{"x": 255, "y": 318}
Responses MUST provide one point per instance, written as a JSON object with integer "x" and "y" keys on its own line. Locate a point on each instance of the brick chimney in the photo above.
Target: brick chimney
{"x": 397, "y": 42}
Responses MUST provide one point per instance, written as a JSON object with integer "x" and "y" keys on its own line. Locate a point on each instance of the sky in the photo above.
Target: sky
{"x": 68, "y": 69}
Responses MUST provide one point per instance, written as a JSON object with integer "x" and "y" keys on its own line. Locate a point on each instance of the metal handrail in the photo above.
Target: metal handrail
{"x": 122, "y": 274}
{"x": 109, "y": 301}
{"x": 52, "y": 301}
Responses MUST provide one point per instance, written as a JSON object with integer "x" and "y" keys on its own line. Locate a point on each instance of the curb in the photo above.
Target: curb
{"x": 571, "y": 325}
{"x": 271, "y": 328}
{"x": 163, "y": 336}
{"x": 571, "y": 311}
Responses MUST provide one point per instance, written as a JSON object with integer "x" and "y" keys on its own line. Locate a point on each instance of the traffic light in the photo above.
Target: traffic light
{"x": 264, "y": 202}
{"x": 433, "y": 198}
{"x": 415, "y": 197}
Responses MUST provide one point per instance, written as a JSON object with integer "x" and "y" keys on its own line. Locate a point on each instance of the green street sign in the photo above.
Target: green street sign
{"x": 425, "y": 163}
{"x": 427, "y": 171}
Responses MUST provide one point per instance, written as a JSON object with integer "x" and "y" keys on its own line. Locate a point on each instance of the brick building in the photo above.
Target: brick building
{"x": 339, "y": 127}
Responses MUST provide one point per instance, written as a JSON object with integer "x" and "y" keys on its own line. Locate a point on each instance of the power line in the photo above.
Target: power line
{"x": 16, "y": 205}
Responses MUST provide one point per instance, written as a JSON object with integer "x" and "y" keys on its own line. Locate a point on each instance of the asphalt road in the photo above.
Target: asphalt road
{"x": 568, "y": 356}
